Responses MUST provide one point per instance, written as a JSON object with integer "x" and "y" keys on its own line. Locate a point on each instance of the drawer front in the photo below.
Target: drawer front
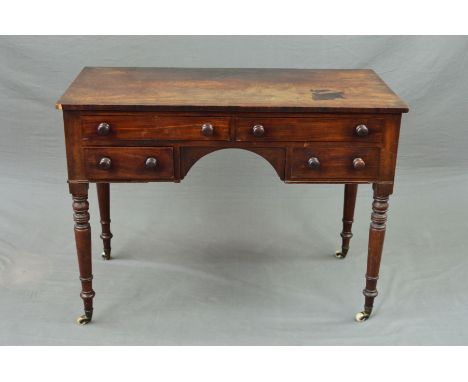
{"x": 129, "y": 163}
{"x": 147, "y": 126}
{"x": 332, "y": 129}
{"x": 322, "y": 162}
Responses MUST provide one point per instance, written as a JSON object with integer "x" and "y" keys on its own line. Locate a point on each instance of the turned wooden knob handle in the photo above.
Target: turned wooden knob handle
{"x": 258, "y": 131}
{"x": 313, "y": 163}
{"x": 105, "y": 163}
{"x": 358, "y": 163}
{"x": 151, "y": 163}
{"x": 103, "y": 128}
{"x": 362, "y": 130}
{"x": 207, "y": 129}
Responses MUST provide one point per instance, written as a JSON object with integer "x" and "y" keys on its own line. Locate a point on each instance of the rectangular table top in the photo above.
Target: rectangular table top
{"x": 228, "y": 90}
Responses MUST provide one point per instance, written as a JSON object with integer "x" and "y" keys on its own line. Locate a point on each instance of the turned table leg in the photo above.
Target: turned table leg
{"x": 376, "y": 241}
{"x": 104, "y": 211}
{"x": 348, "y": 216}
{"x": 79, "y": 193}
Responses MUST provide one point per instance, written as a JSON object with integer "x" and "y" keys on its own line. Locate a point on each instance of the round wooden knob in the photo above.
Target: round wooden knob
{"x": 313, "y": 163}
{"x": 207, "y": 129}
{"x": 151, "y": 163}
{"x": 105, "y": 163}
{"x": 103, "y": 128}
{"x": 358, "y": 163}
{"x": 362, "y": 130}
{"x": 258, "y": 131}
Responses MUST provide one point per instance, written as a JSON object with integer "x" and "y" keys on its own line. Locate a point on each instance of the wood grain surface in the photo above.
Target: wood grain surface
{"x": 203, "y": 89}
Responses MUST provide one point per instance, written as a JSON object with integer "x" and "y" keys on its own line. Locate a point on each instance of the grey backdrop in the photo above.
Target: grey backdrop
{"x": 232, "y": 255}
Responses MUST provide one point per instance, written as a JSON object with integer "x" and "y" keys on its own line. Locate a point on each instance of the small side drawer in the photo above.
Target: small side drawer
{"x": 106, "y": 129}
{"x": 325, "y": 129}
{"x": 129, "y": 163}
{"x": 324, "y": 162}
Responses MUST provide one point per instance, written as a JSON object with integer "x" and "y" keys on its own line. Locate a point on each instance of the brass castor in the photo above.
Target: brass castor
{"x": 362, "y": 316}
{"x": 106, "y": 255}
{"x": 341, "y": 254}
{"x": 83, "y": 320}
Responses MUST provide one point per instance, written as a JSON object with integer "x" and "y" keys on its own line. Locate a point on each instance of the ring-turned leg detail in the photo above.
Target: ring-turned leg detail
{"x": 348, "y": 216}
{"x": 104, "y": 211}
{"x": 79, "y": 193}
{"x": 376, "y": 241}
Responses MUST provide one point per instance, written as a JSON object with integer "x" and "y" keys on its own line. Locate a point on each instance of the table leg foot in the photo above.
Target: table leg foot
{"x": 106, "y": 254}
{"x": 364, "y": 315}
{"x": 85, "y": 318}
{"x": 341, "y": 254}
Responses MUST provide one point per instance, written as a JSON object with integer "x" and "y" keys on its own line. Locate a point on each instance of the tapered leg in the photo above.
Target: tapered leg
{"x": 104, "y": 211}
{"x": 79, "y": 193}
{"x": 376, "y": 242}
{"x": 348, "y": 216}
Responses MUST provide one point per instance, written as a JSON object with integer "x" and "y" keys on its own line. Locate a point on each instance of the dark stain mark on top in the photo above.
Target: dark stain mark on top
{"x": 323, "y": 94}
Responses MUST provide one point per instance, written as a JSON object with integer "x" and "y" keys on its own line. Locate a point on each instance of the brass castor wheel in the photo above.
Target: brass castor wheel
{"x": 83, "y": 320}
{"x": 106, "y": 255}
{"x": 341, "y": 254}
{"x": 362, "y": 316}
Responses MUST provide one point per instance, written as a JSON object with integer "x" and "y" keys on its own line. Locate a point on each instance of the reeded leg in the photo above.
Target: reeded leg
{"x": 79, "y": 193}
{"x": 104, "y": 211}
{"x": 348, "y": 216}
{"x": 376, "y": 241}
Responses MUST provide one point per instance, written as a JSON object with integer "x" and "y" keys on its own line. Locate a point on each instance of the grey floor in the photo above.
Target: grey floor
{"x": 210, "y": 262}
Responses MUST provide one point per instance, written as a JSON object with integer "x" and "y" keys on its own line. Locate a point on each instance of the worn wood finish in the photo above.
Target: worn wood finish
{"x": 79, "y": 193}
{"x": 103, "y": 192}
{"x": 350, "y": 194}
{"x": 129, "y": 163}
{"x": 319, "y": 128}
{"x": 274, "y": 155}
{"x": 154, "y": 124}
{"x": 335, "y": 162}
{"x": 258, "y": 90}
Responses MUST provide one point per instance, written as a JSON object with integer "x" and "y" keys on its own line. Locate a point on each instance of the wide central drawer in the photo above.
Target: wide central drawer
{"x": 129, "y": 163}
{"x": 358, "y": 128}
{"x": 106, "y": 129}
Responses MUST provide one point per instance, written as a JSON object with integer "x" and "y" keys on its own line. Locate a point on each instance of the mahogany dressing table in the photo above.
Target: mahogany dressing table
{"x": 153, "y": 124}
